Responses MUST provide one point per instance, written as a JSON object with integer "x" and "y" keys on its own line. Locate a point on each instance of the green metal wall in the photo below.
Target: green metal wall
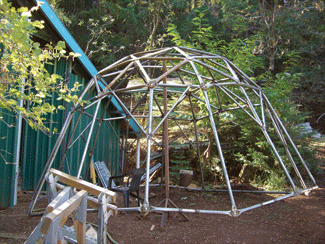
{"x": 8, "y": 125}
{"x": 37, "y": 146}
{"x": 7, "y": 157}
{"x": 107, "y": 144}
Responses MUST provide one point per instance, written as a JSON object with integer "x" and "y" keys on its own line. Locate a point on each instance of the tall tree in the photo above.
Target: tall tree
{"x": 276, "y": 36}
{"x": 268, "y": 14}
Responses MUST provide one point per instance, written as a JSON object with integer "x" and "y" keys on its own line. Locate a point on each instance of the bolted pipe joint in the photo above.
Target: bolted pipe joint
{"x": 145, "y": 208}
{"x": 296, "y": 192}
{"x": 149, "y": 136}
{"x": 203, "y": 86}
{"x": 152, "y": 84}
{"x": 235, "y": 212}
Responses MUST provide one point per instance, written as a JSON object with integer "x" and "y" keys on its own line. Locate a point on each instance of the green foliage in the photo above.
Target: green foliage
{"x": 178, "y": 161}
{"x": 23, "y": 73}
{"x": 243, "y": 31}
{"x": 251, "y": 147}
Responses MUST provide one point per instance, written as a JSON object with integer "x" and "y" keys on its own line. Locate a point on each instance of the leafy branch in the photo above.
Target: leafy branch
{"x": 23, "y": 63}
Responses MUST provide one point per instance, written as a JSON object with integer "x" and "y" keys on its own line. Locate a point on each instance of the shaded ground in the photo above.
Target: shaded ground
{"x": 295, "y": 220}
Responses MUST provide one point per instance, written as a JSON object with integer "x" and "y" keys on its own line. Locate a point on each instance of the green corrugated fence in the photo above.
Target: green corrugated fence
{"x": 36, "y": 146}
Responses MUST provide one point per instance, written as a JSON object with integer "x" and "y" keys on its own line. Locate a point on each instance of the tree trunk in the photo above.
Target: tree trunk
{"x": 268, "y": 12}
{"x": 207, "y": 153}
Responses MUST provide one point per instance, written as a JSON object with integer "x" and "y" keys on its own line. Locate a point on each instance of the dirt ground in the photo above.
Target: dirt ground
{"x": 299, "y": 219}
{"x": 295, "y": 220}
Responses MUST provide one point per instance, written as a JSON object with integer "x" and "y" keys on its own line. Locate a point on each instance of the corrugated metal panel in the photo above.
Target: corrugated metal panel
{"x": 106, "y": 148}
{"x": 7, "y": 157}
{"x": 38, "y": 146}
{"x": 8, "y": 141}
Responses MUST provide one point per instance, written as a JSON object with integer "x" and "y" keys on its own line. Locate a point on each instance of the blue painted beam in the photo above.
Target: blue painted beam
{"x": 74, "y": 47}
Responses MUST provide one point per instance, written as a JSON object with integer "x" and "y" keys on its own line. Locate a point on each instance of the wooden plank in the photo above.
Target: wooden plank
{"x": 59, "y": 199}
{"x": 80, "y": 229}
{"x": 93, "y": 202}
{"x": 83, "y": 185}
{"x": 63, "y": 211}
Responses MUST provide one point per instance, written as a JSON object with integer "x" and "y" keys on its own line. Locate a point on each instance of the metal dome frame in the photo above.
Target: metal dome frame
{"x": 191, "y": 75}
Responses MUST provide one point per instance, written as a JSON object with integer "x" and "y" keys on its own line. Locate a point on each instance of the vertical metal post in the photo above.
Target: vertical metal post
{"x": 88, "y": 139}
{"x": 122, "y": 154}
{"x": 138, "y": 152}
{"x": 149, "y": 135}
{"x": 54, "y": 234}
{"x": 165, "y": 134}
{"x": 17, "y": 147}
{"x": 234, "y": 210}
{"x": 50, "y": 186}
